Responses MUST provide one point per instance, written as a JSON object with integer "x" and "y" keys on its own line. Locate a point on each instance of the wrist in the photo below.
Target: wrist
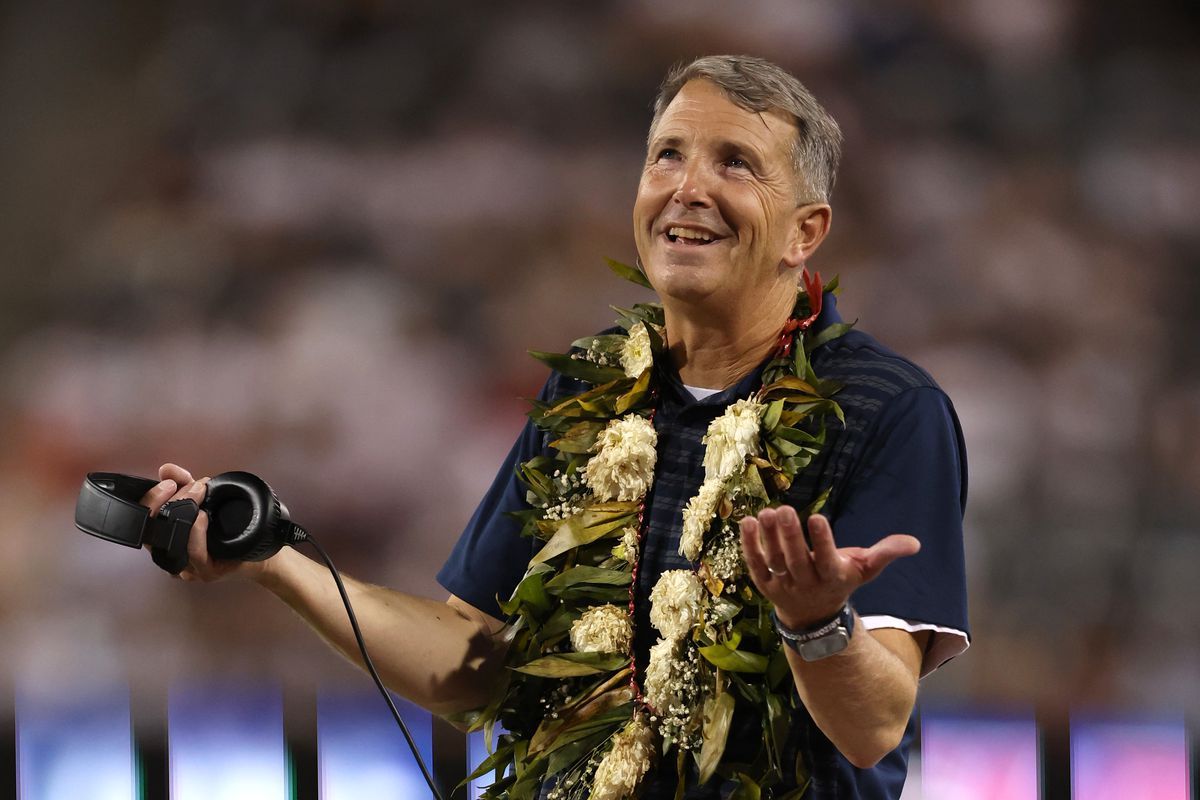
{"x": 808, "y": 620}
{"x": 271, "y": 573}
{"x": 822, "y": 639}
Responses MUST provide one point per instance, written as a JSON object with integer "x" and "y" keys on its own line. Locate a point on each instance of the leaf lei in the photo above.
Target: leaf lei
{"x": 572, "y": 706}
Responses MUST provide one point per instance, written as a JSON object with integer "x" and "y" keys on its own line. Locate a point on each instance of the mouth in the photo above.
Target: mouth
{"x": 690, "y": 237}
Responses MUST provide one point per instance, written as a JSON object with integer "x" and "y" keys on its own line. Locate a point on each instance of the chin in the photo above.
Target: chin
{"x": 684, "y": 285}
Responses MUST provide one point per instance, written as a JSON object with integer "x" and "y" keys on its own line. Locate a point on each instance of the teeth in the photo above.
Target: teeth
{"x": 688, "y": 233}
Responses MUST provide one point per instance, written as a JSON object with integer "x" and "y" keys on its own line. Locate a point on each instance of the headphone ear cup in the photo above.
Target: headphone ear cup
{"x": 246, "y": 519}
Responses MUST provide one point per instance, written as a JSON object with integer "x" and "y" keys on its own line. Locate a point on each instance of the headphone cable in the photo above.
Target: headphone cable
{"x": 298, "y": 535}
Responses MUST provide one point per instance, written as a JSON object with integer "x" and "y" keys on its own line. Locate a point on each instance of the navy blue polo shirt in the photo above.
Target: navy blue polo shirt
{"x": 897, "y": 466}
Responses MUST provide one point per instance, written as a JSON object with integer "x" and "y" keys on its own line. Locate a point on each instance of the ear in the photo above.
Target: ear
{"x": 810, "y": 224}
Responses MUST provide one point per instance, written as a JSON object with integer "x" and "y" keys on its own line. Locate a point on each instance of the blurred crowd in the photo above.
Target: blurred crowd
{"x": 315, "y": 240}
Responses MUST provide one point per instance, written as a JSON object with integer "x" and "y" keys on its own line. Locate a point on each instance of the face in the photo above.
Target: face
{"x": 716, "y": 217}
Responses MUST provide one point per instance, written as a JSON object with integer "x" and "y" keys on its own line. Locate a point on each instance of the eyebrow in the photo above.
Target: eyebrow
{"x": 722, "y": 145}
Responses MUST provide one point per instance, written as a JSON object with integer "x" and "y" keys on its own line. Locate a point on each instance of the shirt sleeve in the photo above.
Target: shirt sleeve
{"x": 491, "y": 556}
{"x": 912, "y": 479}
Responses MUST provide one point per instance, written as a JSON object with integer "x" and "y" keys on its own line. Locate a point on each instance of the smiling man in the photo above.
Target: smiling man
{"x": 848, "y": 608}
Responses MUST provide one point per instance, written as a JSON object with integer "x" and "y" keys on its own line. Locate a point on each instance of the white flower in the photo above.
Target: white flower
{"x": 626, "y": 762}
{"x": 732, "y": 437}
{"x": 725, "y": 559}
{"x": 602, "y": 629}
{"x": 674, "y": 688}
{"x": 697, "y": 517}
{"x": 675, "y": 603}
{"x": 658, "y": 685}
{"x": 635, "y": 353}
{"x": 629, "y": 540}
{"x": 623, "y": 466}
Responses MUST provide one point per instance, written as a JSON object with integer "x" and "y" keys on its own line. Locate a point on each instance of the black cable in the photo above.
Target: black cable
{"x": 300, "y": 535}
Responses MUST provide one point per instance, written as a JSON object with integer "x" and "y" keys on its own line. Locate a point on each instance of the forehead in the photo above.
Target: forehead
{"x": 701, "y": 110}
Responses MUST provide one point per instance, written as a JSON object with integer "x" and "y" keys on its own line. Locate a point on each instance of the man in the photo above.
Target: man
{"x": 732, "y": 203}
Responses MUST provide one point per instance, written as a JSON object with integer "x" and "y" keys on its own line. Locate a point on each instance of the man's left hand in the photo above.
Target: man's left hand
{"x": 810, "y": 585}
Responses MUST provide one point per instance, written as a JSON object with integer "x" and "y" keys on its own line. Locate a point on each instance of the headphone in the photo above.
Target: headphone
{"x": 247, "y": 522}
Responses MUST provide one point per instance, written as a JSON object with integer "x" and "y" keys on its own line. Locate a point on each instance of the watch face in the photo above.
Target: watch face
{"x": 828, "y": 645}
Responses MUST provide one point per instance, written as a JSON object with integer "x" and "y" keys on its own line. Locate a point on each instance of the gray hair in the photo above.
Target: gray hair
{"x": 757, "y": 85}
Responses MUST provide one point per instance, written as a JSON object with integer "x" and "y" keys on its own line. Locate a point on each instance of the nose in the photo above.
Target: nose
{"x": 695, "y": 186}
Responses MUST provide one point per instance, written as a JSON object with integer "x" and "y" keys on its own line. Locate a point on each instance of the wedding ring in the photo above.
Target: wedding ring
{"x": 774, "y": 571}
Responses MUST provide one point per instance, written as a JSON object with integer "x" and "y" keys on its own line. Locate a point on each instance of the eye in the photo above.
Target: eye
{"x": 737, "y": 162}
{"x": 669, "y": 153}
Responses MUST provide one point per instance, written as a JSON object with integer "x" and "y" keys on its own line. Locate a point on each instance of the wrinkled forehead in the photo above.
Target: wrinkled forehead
{"x": 703, "y": 110}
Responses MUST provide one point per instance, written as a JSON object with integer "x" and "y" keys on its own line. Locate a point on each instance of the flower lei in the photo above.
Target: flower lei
{"x": 571, "y": 702}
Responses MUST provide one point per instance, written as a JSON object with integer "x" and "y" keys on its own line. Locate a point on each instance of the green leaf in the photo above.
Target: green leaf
{"x": 795, "y": 435}
{"x": 722, "y": 609}
{"x": 800, "y": 358}
{"x": 751, "y": 484}
{"x": 790, "y": 385}
{"x": 595, "y": 401}
{"x": 652, "y": 314}
{"x": 609, "y": 343}
{"x": 593, "y": 575}
{"x": 772, "y": 414}
{"x": 536, "y": 480}
{"x": 816, "y": 505}
{"x": 502, "y": 756}
{"x": 569, "y": 665}
{"x": 637, "y": 394}
{"x": 584, "y": 737}
{"x": 718, "y": 713}
{"x": 777, "y": 669}
{"x": 529, "y": 778}
{"x": 745, "y": 788}
{"x": 579, "y": 438}
{"x": 594, "y": 594}
{"x": 783, "y": 446}
{"x": 579, "y": 368}
{"x": 775, "y": 727}
{"x": 595, "y": 715}
{"x": 649, "y": 314}
{"x": 732, "y": 659}
{"x": 530, "y": 593}
{"x": 827, "y": 334}
{"x": 559, "y": 622}
{"x": 566, "y": 756}
{"x": 596, "y": 522}
{"x": 499, "y": 789}
{"x": 629, "y": 273}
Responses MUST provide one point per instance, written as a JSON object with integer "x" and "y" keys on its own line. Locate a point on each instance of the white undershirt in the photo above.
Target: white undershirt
{"x": 699, "y": 392}
{"x": 944, "y": 644}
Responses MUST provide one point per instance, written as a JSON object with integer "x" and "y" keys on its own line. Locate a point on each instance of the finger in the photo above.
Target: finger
{"x": 885, "y": 551}
{"x": 770, "y": 544}
{"x": 826, "y": 560}
{"x": 756, "y": 564}
{"x": 796, "y": 554}
{"x": 159, "y": 494}
{"x": 194, "y": 491}
{"x": 175, "y": 473}
{"x": 198, "y": 558}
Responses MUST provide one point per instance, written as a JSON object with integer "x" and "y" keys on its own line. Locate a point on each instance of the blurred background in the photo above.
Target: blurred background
{"x": 314, "y": 240}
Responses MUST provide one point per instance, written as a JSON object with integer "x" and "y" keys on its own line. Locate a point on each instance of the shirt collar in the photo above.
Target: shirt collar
{"x": 670, "y": 382}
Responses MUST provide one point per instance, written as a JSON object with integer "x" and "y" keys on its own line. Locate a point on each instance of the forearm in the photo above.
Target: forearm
{"x": 862, "y": 697}
{"x": 439, "y": 656}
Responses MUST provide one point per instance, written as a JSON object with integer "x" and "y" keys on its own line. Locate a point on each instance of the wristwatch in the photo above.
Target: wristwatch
{"x": 821, "y": 640}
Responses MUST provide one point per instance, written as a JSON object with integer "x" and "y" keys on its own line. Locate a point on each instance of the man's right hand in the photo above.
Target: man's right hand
{"x": 176, "y": 483}
{"x": 446, "y": 656}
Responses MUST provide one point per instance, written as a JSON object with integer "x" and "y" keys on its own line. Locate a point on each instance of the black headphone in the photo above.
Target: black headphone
{"x": 246, "y": 520}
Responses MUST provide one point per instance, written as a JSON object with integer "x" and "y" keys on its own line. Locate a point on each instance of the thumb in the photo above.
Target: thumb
{"x": 887, "y": 550}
